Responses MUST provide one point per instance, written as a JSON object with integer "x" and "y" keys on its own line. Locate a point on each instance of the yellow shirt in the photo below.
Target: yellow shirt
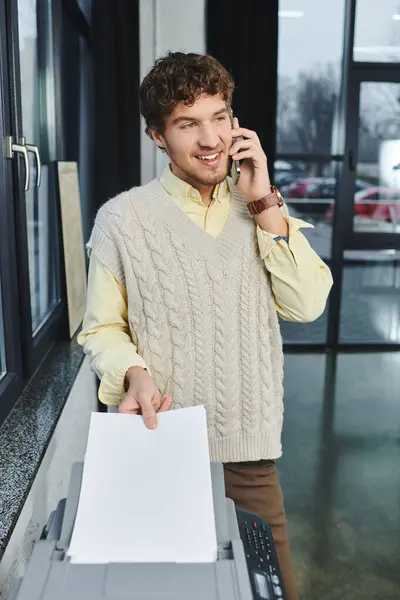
{"x": 300, "y": 282}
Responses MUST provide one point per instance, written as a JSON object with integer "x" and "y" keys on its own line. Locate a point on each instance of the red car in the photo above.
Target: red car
{"x": 377, "y": 203}
{"x": 319, "y": 190}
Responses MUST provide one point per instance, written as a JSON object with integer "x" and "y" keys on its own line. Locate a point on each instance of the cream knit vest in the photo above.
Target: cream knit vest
{"x": 202, "y": 314}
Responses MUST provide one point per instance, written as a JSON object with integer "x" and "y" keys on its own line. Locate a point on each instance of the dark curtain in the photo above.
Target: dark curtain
{"x": 115, "y": 34}
{"x": 243, "y": 36}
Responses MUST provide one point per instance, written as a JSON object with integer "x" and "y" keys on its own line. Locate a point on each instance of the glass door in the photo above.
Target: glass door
{"x": 370, "y": 307}
{"x": 374, "y": 130}
{"x": 32, "y": 148}
{"x": 38, "y": 128}
{"x": 10, "y": 347}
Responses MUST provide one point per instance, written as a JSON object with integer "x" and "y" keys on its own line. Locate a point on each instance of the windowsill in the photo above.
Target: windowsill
{"x": 27, "y": 431}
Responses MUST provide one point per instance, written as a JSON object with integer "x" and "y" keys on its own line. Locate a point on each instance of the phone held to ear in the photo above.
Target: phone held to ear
{"x": 234, "y": 165}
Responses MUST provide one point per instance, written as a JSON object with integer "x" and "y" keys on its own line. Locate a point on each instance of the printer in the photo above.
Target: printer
{"x": 246, "y": 568}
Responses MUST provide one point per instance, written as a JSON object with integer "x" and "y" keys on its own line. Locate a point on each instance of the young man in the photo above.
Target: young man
{"x": 187, "y": 277}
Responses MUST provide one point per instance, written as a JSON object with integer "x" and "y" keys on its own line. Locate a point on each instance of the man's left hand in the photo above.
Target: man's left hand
{"x": 254, "y": 182}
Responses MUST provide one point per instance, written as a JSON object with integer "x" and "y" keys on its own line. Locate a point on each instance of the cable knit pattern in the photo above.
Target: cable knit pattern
{"x": 177, "y": 319}
{"x": 266, "y": 382}
{"x": 250, "y": 401}
{"x": 147, "y": 316}
{"x": 203, "y": 314}
{"x": 226, "y": 379}
{"x": 200, "y": 324}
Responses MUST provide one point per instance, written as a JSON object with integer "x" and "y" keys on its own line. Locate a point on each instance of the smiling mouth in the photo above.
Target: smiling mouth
{"x": 209, "y": 159}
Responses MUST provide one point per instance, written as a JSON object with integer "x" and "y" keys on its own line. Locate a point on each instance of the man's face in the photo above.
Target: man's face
{"x": 197, "y": 139}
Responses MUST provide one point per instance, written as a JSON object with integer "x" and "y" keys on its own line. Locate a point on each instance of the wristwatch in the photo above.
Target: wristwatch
{"x": 273, "y": 199}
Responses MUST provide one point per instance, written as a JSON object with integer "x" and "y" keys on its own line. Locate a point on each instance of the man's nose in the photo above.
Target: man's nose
{"x": 208, "y": 137}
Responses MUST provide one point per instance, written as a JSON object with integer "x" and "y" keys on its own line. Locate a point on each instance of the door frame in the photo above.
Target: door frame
{"x": 36, "y": 343}
{"x": 363, "y": 73}
{"x": 11, "y": 384}
{"x": 343, "y": 237}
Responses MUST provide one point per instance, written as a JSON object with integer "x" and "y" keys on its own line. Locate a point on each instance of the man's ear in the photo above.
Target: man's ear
{"x": 158, "y": 139}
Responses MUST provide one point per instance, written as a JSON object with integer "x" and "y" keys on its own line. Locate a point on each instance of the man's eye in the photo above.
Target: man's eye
{"x": 188, "y": 125}
{"x": 221, "y": 118}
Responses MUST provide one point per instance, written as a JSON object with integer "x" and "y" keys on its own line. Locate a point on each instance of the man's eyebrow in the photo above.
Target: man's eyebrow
{"x": 221, "y": 112}
{"x": 192, "y": 119}
{"x": 180, "y": 119}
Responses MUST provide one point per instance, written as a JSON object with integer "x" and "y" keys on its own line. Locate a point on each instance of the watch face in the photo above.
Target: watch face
{"x": 278, "y": 195}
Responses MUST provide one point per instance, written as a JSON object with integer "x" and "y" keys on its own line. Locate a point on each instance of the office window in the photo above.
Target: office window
{"x": 309, "y": 60}
{"x": 377, "y": 31}
{"x": 309, "y": 189}
{"x": 371, "y": 297}
{"x": 33, "y": 128}
{"x": 377, "y": 206}
{"x": 38, "y": 126}
{"x": 310, "y": 48}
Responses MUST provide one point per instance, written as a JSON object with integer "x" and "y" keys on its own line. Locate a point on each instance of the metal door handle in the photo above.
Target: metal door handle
{"x": 35, "y": 150}
{"x": 11, "y": 149}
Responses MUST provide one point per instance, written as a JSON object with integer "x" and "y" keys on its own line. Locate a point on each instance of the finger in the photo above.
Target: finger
{"x": 166, "y": 403}
{"x": 241, "y": 145}
{"x": 253, "y": 153}
{"x": 235, "y": 122}
{"x": 149, "y": 414}
{"x": 156, "y": 400}
{"x": 236, "y": 136}
{"x": 129, "y": 405}
{"x": 247, "y": 133}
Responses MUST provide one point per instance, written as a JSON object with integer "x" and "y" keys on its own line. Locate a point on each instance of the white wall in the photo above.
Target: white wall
{"x": 67, "y": 445}
{"x": 166, "y": 25}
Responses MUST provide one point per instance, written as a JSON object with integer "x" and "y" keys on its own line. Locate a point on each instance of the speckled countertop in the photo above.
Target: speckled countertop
{"x": 26, "y": 433}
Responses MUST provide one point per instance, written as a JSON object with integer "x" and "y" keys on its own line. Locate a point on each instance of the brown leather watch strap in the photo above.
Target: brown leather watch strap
{"x": 273, "y": 199}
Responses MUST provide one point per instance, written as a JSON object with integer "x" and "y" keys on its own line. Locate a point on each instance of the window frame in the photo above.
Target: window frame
{"x": 345, "y": 136}
{"x": 35, "y": 344}
{"x": 11, "y": 383}
{"x": 25, "y": 349}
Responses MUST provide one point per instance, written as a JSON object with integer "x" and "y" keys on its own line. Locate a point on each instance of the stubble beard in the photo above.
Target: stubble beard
{"x": 214, "y": 177}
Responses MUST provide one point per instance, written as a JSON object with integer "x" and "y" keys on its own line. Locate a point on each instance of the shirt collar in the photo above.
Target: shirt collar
{"x": 178, "y": 188}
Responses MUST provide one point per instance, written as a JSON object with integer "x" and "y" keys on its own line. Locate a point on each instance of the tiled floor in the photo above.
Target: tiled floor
{"x": 341, "y": 475}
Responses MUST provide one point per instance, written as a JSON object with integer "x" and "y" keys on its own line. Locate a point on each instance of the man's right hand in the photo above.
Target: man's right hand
{"x": 143, "y": 397}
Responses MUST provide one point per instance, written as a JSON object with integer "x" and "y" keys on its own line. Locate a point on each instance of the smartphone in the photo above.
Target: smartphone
{"x": 234, "y": 165}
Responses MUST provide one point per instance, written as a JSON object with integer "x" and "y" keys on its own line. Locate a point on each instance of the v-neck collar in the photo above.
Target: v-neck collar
{"x": 236, "y": 230}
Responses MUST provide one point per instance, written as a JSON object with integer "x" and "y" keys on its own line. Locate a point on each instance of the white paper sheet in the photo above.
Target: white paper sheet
{"x": 146, "y": 495}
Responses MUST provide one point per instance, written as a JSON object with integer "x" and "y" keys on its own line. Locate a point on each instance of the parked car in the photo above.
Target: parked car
{"x": 377, "y": 203}
{"x": 320, "y": 190}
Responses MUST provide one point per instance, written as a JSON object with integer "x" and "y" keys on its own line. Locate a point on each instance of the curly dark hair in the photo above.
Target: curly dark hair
{"x": 180, "y": 77}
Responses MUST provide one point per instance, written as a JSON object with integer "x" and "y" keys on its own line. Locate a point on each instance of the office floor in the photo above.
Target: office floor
{"x": 340, "y": 472}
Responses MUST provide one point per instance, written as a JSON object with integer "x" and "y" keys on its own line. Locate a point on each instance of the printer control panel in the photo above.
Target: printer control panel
{"x": 262, "y": 560}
